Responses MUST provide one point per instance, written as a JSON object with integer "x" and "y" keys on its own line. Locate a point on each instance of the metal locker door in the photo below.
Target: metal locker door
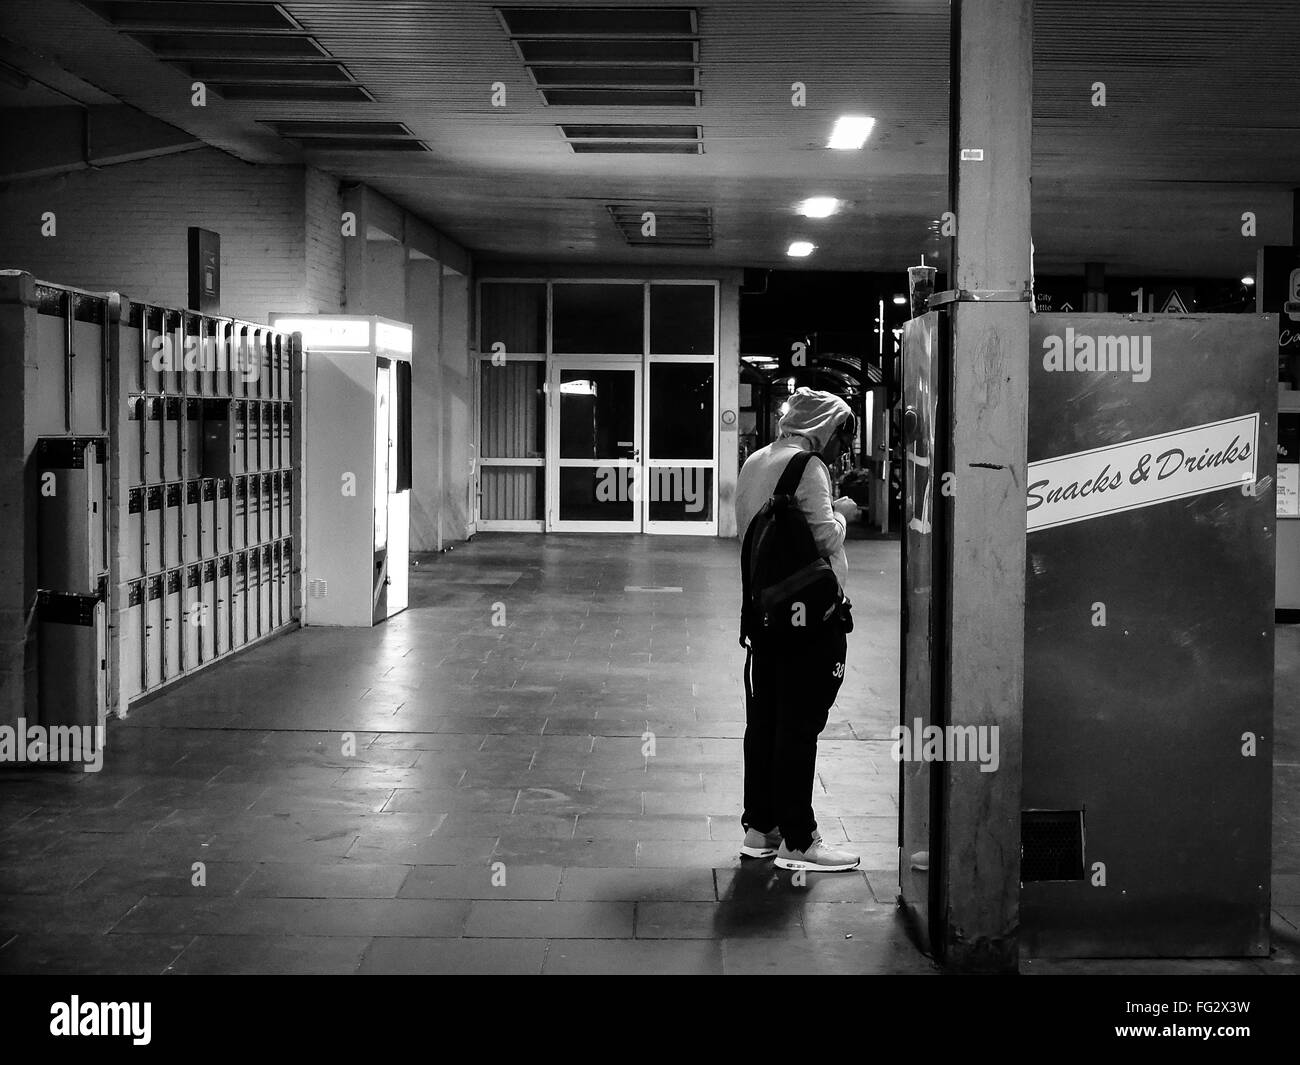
{"x": 70, "y": 514}
{"x": 207, "y": 519}
{"x": 153, "y": 440}
{"x": 268, "y": 596}
{"x": 192, "y": 539}
{"x": 153, "y": 529}
{"x": 218, "y": 453}
{"x": 239, "y": 515}
{"x": 265, "y": 428}
{"x": 286, "y": 367}
{"x": 286, "y": 435}
{"x": 195, "y": 333}
{"x": 284, "y": 610}
{"x": 194, "y": 614}
{"x": 193, "y": 463}
{"x": 274, "y": 463}
{"x": 211, "y": 617}
{"x": 239, "y": 601}
{"x": 265, "y": 363}
{"x": 223, "y": 607}
{"x": 133, "y": 441}
{"x": 132, "y": 645}
{"x": 253, "y": 594}
{"x": 239, "y": 442}
{"x": 174, "y": 625}
{"x": 133, "y": 536}
{"x": 221, "y": 528}
{"x": 254, "y": 531}
{"x": 171, "y": 353}
{"x": 239, "y": 347}
{"x": 286, "y": 502}
{"x": 173, "y": 439}
{"x": 173, "y": 526}
{"x": 277, "y": 530}
{"x": 267, "y": 505}
{"x": 155, "y": 631}
{"x": 150, "y": 326}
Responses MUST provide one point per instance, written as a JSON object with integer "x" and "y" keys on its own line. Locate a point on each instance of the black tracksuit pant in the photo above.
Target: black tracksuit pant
{"x": 789, "y": 692}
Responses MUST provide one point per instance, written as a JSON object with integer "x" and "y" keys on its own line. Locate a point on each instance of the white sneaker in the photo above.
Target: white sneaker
{"x": 760, "y": 844}
{"x": 817, "y": 858}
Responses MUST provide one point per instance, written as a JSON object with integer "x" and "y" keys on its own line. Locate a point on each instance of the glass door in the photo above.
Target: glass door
{"x": 593, "y": 468}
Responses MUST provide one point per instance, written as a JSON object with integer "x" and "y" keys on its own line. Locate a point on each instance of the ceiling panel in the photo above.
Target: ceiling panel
{"x": 1202, "y": 122}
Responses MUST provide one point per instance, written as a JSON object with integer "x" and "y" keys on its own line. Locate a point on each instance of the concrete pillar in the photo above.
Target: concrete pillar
{"x": 1094, "y": 286}
{"x": 728, "y": 400}
{"x": 424, "y": 312}
{"x": 17, "y": 527}
{"x": 458, "y": 443}
{"x": 979, "y": 863}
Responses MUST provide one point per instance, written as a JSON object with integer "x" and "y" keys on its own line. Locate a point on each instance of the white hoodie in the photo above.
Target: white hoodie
{"x": 810, "y": 420}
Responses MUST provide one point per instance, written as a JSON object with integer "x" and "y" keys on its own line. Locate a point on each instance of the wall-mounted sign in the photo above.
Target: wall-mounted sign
{"x": 205, "y": 270}
{"x": 1142, "y": 473}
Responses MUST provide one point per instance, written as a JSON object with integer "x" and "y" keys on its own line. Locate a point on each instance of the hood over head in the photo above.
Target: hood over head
{"x": 815, "y": 415}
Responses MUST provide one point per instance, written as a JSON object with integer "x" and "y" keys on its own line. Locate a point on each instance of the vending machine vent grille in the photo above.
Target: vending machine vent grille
{"x": 1051, "y": 845}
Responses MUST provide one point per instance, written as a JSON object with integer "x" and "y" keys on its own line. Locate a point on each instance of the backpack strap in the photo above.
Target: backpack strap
{"x": 793, "y": 474}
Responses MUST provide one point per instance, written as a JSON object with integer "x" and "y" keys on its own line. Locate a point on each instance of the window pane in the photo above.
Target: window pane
{"x": 512, "y": 409}
{"x": 511, "y": 493}
{"x": 589, "y": 494}
{"x": 679, "y": 493}
{"x": 513, "y": 315}
{"x": 597, "y": 414}
{"x": 681, "y": 319}
{"x": 596, "y": 319}
{"x": 681, "y": 410}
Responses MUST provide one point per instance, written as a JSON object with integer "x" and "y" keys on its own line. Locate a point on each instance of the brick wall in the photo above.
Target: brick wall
{"x": 324, "y": 243}
{"x": 124, "y": 228}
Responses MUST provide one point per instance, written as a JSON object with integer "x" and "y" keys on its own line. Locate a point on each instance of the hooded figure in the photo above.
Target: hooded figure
{"x": 810, "y": 423}
{"x": 791, "y": 686}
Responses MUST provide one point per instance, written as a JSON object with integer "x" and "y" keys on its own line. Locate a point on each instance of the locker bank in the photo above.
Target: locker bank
{"x": 377, "y": 383}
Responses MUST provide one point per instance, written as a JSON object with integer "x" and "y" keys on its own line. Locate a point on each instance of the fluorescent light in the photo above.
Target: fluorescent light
{"x": 900, "y": 300}
{"x": 819, "y": 207}
{"x": 578, "y": 388}
{"x": 850, "y": 132}
{"x": 800, "y": 249}
{"x": 1248, "y": 280}
{"x": 324, "y": 333}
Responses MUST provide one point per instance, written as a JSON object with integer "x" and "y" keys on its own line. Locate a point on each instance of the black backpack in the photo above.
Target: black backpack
{"x": 788, "y": 589}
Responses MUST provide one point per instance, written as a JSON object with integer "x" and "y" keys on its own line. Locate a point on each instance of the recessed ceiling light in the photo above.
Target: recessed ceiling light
{"x": 850, "y": 132}
{"x": 800, "y": 249}
{"x": 900, "y": 300}
{"x": 1248, "y": 280}
{"x": 819, "y": 207}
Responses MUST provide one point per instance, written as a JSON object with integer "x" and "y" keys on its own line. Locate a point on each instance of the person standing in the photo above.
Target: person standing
{"x": 792, "y": 682}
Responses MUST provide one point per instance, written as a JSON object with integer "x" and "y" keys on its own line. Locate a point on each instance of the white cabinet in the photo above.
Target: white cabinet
{"x": 356, "y": 465}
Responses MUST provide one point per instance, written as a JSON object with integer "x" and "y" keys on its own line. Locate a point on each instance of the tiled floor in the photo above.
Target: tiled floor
{"x": 557, "y": 794}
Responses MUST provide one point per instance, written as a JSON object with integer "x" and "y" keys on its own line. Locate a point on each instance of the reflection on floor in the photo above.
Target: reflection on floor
{"x": 554, "y": 792}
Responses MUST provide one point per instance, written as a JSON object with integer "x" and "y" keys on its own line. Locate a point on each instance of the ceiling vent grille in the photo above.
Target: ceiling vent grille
{"x": 242, "y": 50}
{"x": 632, "y": 139}
{"x": 609, "y": 57}
{"x": 330, "y": 136}
{"x": 674, "y": 226}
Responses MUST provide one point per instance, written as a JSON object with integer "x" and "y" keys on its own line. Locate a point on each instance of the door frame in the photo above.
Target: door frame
{"x": 633, "y": 364}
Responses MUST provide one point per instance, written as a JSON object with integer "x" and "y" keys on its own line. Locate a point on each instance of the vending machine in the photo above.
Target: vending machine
{"x": 356, "y": 465}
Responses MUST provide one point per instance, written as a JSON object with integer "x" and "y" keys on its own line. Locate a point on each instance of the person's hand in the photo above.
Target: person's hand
{"x": 845, "y": 508}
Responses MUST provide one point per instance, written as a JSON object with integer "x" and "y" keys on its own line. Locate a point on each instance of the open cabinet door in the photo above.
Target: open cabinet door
{"x": 923, "y": 586}
{"x": 383, "y": 464}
